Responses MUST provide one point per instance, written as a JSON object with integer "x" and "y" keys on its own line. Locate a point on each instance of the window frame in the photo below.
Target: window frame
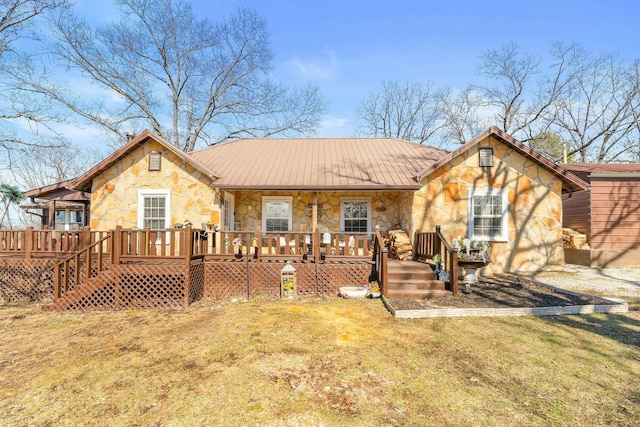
{"x": 345, "y": 200}
{"x": 142, "y": 194}
{"x": 266, "y": 200}
{"x": 504, "y": 218}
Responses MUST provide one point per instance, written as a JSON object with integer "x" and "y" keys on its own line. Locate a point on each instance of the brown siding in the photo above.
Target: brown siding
{"x": 575, "y": 212}
{"x": 615, "y": 213}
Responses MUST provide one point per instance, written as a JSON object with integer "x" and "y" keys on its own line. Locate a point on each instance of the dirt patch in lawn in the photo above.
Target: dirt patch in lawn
{"x": 500, "y": 292}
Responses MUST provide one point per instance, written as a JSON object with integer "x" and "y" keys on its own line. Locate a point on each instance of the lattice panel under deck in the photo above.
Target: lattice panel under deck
{"x": 306, "y": 280}
{"x": 225, "y": 279}
{"x": 264, "y": 279}
{"x": 147, "y": 286}
{"x": 26, "y": 280}
{"x": 333, "y": 276}
{"x": 196, "y": 285}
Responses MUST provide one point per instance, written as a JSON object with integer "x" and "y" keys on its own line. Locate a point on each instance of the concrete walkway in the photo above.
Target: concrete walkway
{"x": 607, "y": 282}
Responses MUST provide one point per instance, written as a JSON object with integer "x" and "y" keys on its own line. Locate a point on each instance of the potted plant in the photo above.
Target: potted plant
{"x": 437, "y": 260}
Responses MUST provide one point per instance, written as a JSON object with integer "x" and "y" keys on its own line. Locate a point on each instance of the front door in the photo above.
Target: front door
{"x": 228, "y": 210}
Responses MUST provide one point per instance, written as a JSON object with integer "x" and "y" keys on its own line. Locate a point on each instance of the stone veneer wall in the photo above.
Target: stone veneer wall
{"x": 114, "y": 198}
{"x": 386, "y": 210}
{"x": 535, "y": 207}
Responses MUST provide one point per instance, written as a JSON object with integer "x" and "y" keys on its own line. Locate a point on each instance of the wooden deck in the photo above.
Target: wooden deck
{"x": 177, "y": 267}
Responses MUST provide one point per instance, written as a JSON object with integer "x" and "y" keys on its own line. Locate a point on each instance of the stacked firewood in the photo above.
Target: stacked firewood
{"x": 573, "y": 239}
{"x": 400, "y": 245}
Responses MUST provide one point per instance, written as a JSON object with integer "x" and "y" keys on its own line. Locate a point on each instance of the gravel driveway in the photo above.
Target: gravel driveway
{"x": 612, "y": 282}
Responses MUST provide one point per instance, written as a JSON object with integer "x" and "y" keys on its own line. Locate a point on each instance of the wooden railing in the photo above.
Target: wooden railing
{"x": 381, "y": 260}
{"x": 171, "y": 244}
{"x": 288, "y": 244}
{"x": 427, "y": 245}
{"x": 77, "y": 269}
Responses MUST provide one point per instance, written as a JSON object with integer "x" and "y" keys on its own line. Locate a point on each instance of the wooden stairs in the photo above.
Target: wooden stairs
{"x": 101, "y": 283}
{"x": 415, "y": 280}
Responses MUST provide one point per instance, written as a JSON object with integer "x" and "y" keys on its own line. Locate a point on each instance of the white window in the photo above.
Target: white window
{"x": 488, "y": 215}
{"x": 355, "y": 215}
{"x": 276, "y": 213}
{"x": 154, "y": 209}
{"x": 68, "y": 219}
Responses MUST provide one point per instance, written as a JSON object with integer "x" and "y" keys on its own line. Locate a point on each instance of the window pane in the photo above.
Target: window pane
{"x": 277, "y": 210}
{"x": 487, "y": 216}
{"x": 355, "y": 210}
{"x": 355, "y": 225}
{"x": 277, "y": 215}
{"x": 154, "y": 212}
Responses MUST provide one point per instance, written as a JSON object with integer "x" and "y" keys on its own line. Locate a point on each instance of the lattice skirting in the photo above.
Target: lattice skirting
{"x": 26, "y": 280}
{"x": 246, "y": 280}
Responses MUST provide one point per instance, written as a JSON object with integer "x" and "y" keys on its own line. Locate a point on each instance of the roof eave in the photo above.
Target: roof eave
{"x": 84, "y": 182}
{"x": 570, "y": 181}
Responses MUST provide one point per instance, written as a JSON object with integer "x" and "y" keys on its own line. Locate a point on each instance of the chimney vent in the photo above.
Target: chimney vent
{"x": 130, "y": 136}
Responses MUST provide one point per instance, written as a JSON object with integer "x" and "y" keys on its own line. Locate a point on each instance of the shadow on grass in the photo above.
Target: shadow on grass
{"x": 618, "y": 327}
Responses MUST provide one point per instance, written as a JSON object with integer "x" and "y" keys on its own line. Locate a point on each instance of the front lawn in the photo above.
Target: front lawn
{"x": 315, "y": 362}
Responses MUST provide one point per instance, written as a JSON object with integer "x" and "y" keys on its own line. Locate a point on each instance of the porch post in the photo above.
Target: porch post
{"x": 188, "y": 242}
{"x": 314, "y": 210}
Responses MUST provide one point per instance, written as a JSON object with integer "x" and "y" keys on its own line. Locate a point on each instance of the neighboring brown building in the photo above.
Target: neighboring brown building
{"x": 608, "y": 214}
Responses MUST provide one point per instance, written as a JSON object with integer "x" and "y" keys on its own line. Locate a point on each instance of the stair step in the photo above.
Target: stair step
{"x": 416, "y": 284}
{"x": 418, "y": 294}
{"x": 409, "y": 275}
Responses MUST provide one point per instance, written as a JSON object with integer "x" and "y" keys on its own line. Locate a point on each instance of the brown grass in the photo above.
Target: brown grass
{"x": 313, "y": 362}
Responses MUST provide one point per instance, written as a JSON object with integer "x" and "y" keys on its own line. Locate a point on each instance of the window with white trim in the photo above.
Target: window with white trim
{"x": 154, "y": 209}
{"x": 276, "y": 213}
{"x": 488, "y": 215}
{"x": 355, "y": 215}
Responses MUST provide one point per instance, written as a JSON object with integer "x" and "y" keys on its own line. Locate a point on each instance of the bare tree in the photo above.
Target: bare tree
{"x": 187, "y": 78}
{"x": 462, "y": 119}
{"x": 409, "y": 111}
{"x": 519, "y": 94}
{"x": 45, "y": 166}
{"x": 598, "y": 116}
{"x": 22, "y": 113}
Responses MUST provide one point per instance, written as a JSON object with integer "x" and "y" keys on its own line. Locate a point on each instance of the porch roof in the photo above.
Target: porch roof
{"x": 317, "y": 163}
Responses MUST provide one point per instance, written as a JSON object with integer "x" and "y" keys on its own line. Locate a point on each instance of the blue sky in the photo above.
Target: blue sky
{"x": 349, "y": 47}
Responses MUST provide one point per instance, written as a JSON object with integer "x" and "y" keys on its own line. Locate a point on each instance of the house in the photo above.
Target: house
{"x": 492, "y": 188}
{"x": 318, "y": 199}
{"x": 608, "y": 213}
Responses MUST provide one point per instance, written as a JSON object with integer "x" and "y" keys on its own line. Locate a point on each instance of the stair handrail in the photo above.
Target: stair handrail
{"x": 61, "y": 286}
{"x": 449, "y": 256}
{"x": 381, "y": 260}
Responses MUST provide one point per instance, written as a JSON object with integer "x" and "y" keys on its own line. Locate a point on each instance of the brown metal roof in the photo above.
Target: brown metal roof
{"x": 57, "y": 191}
{"x": 317, "y": 163}
{"x": 584, "y": 170}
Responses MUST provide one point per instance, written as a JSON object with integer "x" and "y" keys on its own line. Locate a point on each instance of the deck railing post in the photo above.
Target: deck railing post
{"x": 28, "y": 242}
{"x": 258, "y": 247}
{"x": 188, "y": 241}
{"x": 316, "y": 245}
{"x": 383, "y": 272}
{"x": 437, "y": 243}
{"x": 56, "y": 282}
{"x": 117, "y": 245}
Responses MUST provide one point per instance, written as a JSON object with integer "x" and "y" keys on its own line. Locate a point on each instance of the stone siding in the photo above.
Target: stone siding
{"x": 534, "y": 207}
{"x": 386, "y": 209}
{"x": 114, "y": 198}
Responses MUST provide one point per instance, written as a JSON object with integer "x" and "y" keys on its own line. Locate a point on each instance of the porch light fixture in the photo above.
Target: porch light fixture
{"x": 485, "y": 157}
{"x": 154, "y": 161}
